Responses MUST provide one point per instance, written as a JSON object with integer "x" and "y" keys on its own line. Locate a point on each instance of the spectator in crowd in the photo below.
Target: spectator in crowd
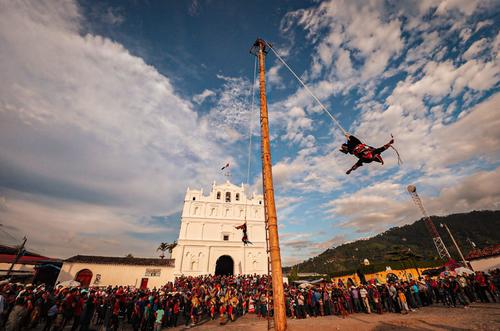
{"x": 192, "y": 300}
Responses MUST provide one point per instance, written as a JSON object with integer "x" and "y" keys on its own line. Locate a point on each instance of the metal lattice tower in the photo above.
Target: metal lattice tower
{"x": 438, "y": 242}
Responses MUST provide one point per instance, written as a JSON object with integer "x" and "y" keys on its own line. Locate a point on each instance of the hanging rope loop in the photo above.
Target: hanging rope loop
{"x": 250, "y": 132}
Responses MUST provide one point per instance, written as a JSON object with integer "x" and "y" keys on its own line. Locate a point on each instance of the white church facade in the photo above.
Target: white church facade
{"x": 208, "y": 241}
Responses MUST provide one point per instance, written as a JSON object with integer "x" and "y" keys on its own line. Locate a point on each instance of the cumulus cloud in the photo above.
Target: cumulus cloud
{"x": 440, "y": 107}
{"x": 387, "y": 204}
{"x": 432, "y": 141}
{"x": 54, "y": 226}
{"x": 85, "y": 122}
{"x": 355, "y": 30}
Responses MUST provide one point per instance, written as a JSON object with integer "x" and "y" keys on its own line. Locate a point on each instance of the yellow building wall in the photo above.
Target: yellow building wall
{"x": 381, "y": 276}
{"x": 117, "y": 275}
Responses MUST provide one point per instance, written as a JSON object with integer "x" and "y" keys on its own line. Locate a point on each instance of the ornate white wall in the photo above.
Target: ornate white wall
{"x": 207, "y": 219}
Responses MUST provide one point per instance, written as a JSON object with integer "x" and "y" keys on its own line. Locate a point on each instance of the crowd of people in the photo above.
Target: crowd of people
{"x": 194, "y": 300}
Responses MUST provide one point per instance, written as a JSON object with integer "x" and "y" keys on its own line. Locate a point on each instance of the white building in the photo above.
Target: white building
{"x": 116, "y": 271}
{"x": 208, "y": 241}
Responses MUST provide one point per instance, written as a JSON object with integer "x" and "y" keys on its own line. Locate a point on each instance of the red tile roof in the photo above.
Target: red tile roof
{"x": 121, "y": 260}
{"x": 26, "y": 259}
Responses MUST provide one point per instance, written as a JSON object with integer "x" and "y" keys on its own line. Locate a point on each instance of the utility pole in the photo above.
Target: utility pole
{"x": 455, "y": 243}
{"x": 259, "y": 49}
{"x": 20, "y": 252}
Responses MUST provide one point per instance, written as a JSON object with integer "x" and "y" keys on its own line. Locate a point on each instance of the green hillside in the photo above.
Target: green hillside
{"x": 391, "y": 247}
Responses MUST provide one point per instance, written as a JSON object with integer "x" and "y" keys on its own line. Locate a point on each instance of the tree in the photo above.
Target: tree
{"x": 294, "y": 274}
{"x": 164, "y": 246}
{"x": 129, "y": 256}
{"x": 171, "y": 247}
{"x": 402, "y": 254}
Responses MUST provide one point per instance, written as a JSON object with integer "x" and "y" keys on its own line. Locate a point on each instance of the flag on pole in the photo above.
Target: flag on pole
{"x": 225, "y": 167}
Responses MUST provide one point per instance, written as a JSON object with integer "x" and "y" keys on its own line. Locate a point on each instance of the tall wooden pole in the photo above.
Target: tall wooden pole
{"x": 270, "y": 208}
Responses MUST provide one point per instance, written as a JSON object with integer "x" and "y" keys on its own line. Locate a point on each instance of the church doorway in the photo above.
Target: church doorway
{"x": 84, "y": 276}
{"x": 224, "y": 266}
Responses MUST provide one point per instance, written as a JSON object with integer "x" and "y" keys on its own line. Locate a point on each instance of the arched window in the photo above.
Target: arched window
{"x": 218, "y": 195}
{"x": 194, "y": 198}
{"x": 228, "y": 196}
{"x": 237, "y": 197}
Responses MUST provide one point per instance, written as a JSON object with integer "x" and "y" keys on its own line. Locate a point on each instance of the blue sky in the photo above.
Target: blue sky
{"x": 110, "y": 110}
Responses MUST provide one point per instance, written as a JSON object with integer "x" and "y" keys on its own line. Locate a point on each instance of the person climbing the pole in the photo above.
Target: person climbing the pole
{"x": 364, "y": 153}
{"x": 245, "y": 236}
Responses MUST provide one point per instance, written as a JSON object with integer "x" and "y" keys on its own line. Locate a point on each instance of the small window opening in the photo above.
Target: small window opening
{"x": 237, "y": 197}
{"x": 228, "y": 196}
{"x": 226, "y": 237}
{"x": 194, "y": 198}
{"x": 260, "y": 202}
{"x": 218, "y": 195}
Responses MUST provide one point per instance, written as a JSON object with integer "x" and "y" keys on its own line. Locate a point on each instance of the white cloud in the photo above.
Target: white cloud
{"x": 64, "y": 228}
{"x": 230, "y": 117}
{"x": 297, "y": 247}
{"x": 466, "y": 6}
{"x": 351, "y": 26}
{"x": 387, "y": 204}
{"x": 200, "y": 98}
{"x": 273, "y": 78}
{"x": 83, "y": 120}
{"x": 483, "y": 24}
{"x": 476, "y": 48}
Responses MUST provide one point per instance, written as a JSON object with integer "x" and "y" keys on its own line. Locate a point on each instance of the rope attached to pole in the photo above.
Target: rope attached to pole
{"x": 400, "y": 161}
{"x": 308, "y": 90}
{"x": 250, "y": 129}
{"x": 250, "y": 132}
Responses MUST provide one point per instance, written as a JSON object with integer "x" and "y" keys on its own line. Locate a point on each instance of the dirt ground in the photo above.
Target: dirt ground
{"x": 477, "y": 317}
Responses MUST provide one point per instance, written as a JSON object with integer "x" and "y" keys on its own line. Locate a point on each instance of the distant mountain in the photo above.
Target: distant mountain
{"x": 407, "y": 245}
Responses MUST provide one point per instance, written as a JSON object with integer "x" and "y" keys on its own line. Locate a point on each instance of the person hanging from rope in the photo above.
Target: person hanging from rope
{"x": 245, "y": 235}
{"x": 364, "y": 153}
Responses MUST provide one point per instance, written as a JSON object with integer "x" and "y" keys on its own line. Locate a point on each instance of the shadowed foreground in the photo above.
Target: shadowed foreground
{"x": 477, "y": 317}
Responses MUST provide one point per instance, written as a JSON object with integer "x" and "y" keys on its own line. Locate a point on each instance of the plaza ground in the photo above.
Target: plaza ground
{"x": 477, "y": 317}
